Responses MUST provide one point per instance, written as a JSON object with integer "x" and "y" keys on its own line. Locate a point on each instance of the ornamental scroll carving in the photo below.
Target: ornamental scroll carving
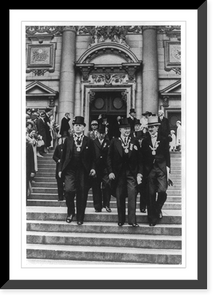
{"x": 108, "y": 79}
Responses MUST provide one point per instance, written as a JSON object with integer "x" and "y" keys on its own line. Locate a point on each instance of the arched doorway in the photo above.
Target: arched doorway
{"x": 109, "y": 103}
{"x": 107, "y": 80}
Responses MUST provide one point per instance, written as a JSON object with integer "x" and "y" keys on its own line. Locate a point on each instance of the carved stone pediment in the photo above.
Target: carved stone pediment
{"x": 38, "y": 89}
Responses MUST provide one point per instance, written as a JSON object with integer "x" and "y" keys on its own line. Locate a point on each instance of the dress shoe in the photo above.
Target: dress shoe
{"x": 98, "y": 210}
{"x": 108, "y": 209}
{"x": 69, "y": 219}
{"x": 120, "y": 224}
{"x": 79, "y": 223}
{"x": 143, "y": 210}
{"x": 134, "y": 224}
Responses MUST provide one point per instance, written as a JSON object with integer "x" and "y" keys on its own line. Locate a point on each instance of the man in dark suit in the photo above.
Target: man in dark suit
{"x": 76, "y": 165}
{"x": 41, "y": 129}
{"x": 155, "y": 167}
{"x": 64, "y": 128}
{"x": 132, "y": 119}
{"x": 123, "y": 162}
{"x": 57, "y": 158}
{"x": 164, "y": 127}
{"x": 101, "y": 195}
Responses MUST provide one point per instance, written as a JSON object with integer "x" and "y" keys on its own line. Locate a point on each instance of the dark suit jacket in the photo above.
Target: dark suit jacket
{"x": 162, "y": 157}
{"x": 64, "y": 126}
{"x": 164, "y": 128}
{"x": 57, "y": 155}
{"x": 87, "y": 154}
{"x": 115, "y": 159}
{"x": 41, "y": 128}
{"x": 101, "y": 152}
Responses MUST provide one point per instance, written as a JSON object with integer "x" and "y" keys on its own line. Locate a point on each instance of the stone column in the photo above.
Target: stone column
{"x": 67, "y": 73}
{"x": 150, "y": 70}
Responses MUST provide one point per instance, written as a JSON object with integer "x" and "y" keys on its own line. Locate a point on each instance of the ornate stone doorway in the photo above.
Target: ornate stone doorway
{"x": 109, "y": 103}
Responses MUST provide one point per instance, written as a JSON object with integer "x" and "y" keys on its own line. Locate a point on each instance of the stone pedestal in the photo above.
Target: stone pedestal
{"x": 150, "y": 70}
{"x": 67, "y": 73}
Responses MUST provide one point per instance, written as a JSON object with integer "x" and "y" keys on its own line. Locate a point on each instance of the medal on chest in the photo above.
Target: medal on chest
{"x": 125, "y": 145}
{"x": 78, "y": 144}
{"x": 154, "y": 148}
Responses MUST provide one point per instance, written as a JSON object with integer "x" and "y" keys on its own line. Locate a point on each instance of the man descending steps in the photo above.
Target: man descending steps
{"x": 51, "y": 240}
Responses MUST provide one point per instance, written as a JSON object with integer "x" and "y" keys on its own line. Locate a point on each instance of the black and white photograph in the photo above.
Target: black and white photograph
{"x": 104, "y": 141}
{"x": 109, "y": 169}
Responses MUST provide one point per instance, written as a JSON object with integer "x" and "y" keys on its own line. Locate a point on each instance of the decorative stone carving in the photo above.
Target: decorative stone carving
{"x": 54, "y": 30}
{"x": 91, "y": 96}
{"x": 165, "y": 101}
{"x": 108, "y": 79}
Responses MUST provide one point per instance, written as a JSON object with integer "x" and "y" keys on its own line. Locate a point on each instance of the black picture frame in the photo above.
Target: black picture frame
{"x": 143, "y": 285}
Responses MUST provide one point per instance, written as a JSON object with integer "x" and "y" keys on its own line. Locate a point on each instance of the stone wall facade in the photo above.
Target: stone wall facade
{"x": 68, "y": 67}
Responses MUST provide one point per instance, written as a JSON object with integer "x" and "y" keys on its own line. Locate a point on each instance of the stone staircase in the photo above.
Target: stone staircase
{"x": 100, "y": 239}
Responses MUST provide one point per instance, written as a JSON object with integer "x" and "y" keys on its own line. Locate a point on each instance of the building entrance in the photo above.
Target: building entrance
{"x": 112, "y": 104}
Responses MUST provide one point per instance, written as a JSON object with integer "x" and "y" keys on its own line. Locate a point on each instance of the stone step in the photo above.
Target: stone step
{"x": 53, "y": 196}
{"x": 105, "y": 228}
{"x": 105, "y": 240}
{"x": 53, "y": 190}
{"x": 101, "y": 253}
{"x": 113, "y": 205}
{"x": 59, "y": 214}
{"x": 53, "y": 184}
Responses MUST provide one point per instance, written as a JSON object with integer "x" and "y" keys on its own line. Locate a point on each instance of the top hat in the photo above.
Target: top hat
{"x": 94, "y": 122}
{"x": 101, "y": 129}
{"x": 153, "y": 120}
{"x": 132, "y": 110}
{"x": 79, "y": 120}
{"x": 147, "y": 113}
{"x": 124, "y": 123}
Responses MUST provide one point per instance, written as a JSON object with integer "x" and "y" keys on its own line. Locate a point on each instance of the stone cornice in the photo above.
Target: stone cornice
{"x": 101, "y": 31}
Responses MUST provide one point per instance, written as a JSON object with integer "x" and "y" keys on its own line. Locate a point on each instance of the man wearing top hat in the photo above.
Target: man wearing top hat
{"x": 123, "y": 164}
{"x": 155, "y": 167}
{"x": 101, "y": 184}
{"x": 132, "y": 119}
{"x": 76, "y": 167}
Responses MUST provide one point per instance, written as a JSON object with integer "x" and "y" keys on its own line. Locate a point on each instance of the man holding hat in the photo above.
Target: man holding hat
{"x": 101, "y": 185}
{"x": 155, "y": 167}
{"x": 123, "y": 163}
{"x": 76, "y": 165}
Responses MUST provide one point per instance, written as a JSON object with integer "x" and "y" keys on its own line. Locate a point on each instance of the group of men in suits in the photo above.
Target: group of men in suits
{"x": 115, "y": 167}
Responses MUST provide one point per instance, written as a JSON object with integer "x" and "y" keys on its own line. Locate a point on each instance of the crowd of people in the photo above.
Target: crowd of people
{"x": 134, "y": 159}
{"x": 41, "y": 136}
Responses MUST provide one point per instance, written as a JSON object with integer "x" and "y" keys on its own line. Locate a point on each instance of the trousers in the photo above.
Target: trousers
{"x": 126, "y": 186}
{"x": 157, "y": 183}
{"x": 76, "y": 184}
